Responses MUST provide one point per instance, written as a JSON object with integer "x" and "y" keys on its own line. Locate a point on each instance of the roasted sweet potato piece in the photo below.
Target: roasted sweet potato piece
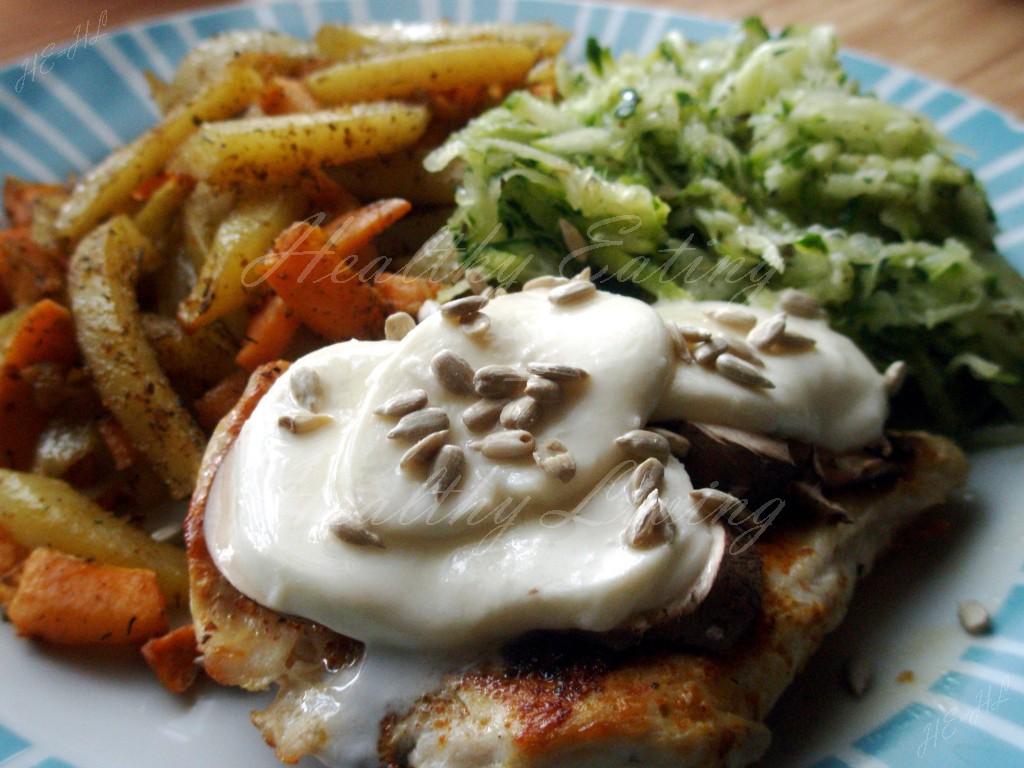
{"x": 172, "y": 657}
{"x": 70, "y": 601}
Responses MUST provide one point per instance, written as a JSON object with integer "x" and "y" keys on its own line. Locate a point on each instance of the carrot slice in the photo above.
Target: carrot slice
{"x": 404, "y": 293}
{"x": 27, "y": 272}
{"x": 45, "y": 334}
{"x": 119, "y": 443}
{"x": 218, "y": 401}
{"x": 285, "y": 95}
{"x": 268, "y": 334}
{"x": 20, "y": 196}
{"x": 350, "y": 232}
{"x": 42, "y": 333}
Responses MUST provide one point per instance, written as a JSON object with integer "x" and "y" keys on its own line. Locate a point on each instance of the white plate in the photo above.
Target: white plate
{"x": 965, "y": 705}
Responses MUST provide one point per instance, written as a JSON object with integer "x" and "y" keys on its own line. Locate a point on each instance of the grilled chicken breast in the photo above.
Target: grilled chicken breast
{"x": 567, "y": 700}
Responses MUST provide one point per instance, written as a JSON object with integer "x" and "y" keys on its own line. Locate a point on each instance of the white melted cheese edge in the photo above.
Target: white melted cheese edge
{"x": 511, "y": 549}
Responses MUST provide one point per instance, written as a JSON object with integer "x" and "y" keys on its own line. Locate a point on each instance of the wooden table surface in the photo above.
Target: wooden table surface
{"x": 977, "y": 45}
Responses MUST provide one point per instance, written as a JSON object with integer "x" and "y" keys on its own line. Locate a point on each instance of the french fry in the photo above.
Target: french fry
{"x": 201, "y": 215}
{"x": 271, "y": 149}
{"x": 156, "y": 218}
{"x": 62, "y": 445}
{"x": 343, "y": 42}
{"x": 242, "y": 238}
{"x": 70, "y": 601}
{"x": 192, "y": 361}
{"x": 172, "y": 657}
{"x": 430, "y": 70}
{"x": 45, "y": 512}
{"x": 399, "y": 174}
{"x": 257, "y": 48}
{"x": 101, "y": 282}
{"x": 108, "y": 188}
{"x": 12, "y": 552}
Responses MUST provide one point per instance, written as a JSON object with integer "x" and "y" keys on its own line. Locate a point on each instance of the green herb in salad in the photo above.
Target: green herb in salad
{"x": 737, "y": 167}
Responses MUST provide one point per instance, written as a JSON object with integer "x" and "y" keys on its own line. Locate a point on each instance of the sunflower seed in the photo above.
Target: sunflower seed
{"x": 419, "y": 424}
{"x": 768, "y": 331}
{"x": 172, "y": 533}
{"x": 354, "y": 532}
{"x": 424, "y": 450}
{"x": 741, "y": 372}
{"x": 500, "y": 290}
{"x": 302, "y": 423}
{"x": 306, "y": 388}
{"x": 895, "y": 375}
{"x": 483, "y": 414}
{"x": 583, "y": 274}
{"x": 460, "y": 308}
{"x": 476, "y": 279}
{"x": 476, "y": 325}
{"x": 554, "y": 459}
{"x": 398, "y": 325}
{"x": 651, "y": 524}
{"x": 646, "y": 477}
{"x": 693, "y": 333}
{"x": 556, "y": 372}
{"x": 641, "y": 443}
{"x": 679, "y": 343}
{"x": 497, "y": 381}
{"x": 543, "y": 390}
{"x": 793, "y": 342}
{"x": 447, "y": 470}
{"x": 572, "y": 292}
{"x": 677, "y": 444}
{"x": 512, "y": 444}
{"x": 708, "y": 351}
{"x": 734, "y": 317}
{"x": 427, "y": 308}
{"x": 544, "y": 281}
{"x": 800, "y": 304}
{"x": 572, "y": 238}
{"x": 454, "y": 373}
{"x": 521, "y": 413}
{"x": 743, "y": 351}
{"x": 403, "y": 403}
{"x": 974, "y": 617}
{"x": 858, "y": 675}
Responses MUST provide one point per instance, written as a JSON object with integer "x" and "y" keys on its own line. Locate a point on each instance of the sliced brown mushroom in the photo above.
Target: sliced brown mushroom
{"x": 857, "y": 467}
{"x": 754, "y": 467}
{"x": 716, "y": 613}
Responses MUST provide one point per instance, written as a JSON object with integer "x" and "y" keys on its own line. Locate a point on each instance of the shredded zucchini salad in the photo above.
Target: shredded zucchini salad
{"x": 735, "y": 168}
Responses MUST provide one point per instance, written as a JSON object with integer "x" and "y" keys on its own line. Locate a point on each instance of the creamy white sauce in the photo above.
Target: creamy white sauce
{"x": 831, "y": 396}
{"x": 511, "y": 549}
